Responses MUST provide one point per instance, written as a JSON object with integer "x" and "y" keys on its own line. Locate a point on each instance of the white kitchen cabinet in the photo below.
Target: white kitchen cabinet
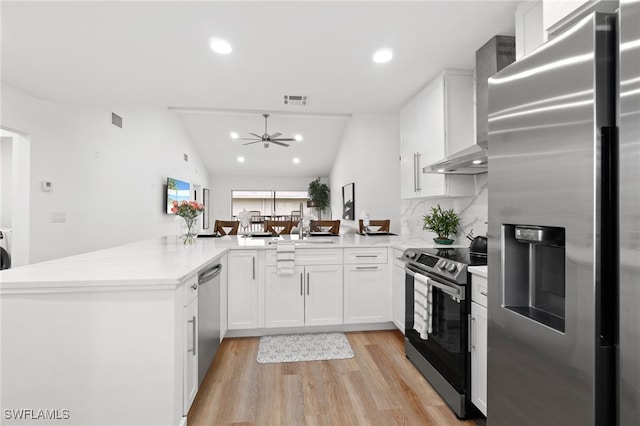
{"x": 530, "y": 32}
{"x": 398, "y": 295}
{"x": 557, "y": 15}
{"x": 224, "y": 276}
{"x": 366, "y": 286}
{"x": 190, "y": 365}
{"x": 479, "y": 342}
{"x": 435, "y": 123}
{"x": 311, "y": 296}
{"x": 242, "y": 289}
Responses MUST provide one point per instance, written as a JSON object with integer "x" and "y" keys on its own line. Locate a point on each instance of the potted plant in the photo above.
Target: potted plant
{"x": 319, "y": 194}
{"x": 443, "y": 223}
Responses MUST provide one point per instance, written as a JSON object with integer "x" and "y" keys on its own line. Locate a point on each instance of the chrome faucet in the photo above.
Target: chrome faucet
{"x": 301, "y": 224}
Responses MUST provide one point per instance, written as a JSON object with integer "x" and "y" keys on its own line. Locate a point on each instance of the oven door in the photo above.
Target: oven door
{"x": 445, "y": 347}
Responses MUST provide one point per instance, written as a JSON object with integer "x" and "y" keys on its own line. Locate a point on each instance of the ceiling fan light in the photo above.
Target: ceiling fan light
{"x": 383, "y": 55}
{"x": 298, "y": 138}
{"x": 220, "y": 45}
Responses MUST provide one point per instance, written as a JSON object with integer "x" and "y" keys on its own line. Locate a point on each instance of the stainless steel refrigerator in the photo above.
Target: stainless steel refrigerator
{"x": 564, "y": 229}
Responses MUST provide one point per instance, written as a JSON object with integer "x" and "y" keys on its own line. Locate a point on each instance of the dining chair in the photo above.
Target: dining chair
{"x": 317, "y": 225}
{"x": 273, "y": 226}
{"x": 220, "y": 227}
{"x": 295, "y": 214}
{"x": 383, "y": 225}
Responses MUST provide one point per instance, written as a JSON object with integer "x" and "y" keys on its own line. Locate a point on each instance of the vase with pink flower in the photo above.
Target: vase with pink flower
{"x": 189, "y": 211}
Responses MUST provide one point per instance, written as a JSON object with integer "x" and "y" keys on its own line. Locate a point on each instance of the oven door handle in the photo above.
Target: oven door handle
{"x": 455, "y": 292}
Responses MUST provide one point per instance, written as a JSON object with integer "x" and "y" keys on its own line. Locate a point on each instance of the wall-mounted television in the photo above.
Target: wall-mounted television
{"x": 177, "y": 190}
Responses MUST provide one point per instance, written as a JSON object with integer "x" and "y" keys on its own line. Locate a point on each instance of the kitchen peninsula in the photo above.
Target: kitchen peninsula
{"x": 106, "y": 335}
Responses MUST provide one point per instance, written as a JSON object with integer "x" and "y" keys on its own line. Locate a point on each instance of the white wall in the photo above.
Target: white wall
{"x": 107, "y": 181}
{"x": 369, "y": 157}
{"x": 221, "y": 187}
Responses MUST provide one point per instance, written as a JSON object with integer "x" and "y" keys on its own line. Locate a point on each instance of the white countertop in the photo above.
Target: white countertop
{"x": 167, "y": 261}
{"x": 478, "y": 270}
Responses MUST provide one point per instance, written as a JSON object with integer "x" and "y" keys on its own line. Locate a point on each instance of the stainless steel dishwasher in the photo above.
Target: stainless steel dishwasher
{"x": 208, "y": 317}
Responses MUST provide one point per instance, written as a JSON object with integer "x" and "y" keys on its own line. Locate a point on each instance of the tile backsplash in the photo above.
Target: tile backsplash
{"x": 472, "y": 210}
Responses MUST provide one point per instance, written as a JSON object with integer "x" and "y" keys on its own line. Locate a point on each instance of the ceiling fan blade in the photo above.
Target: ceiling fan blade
{"x": 249, "y": 143}
{"x": 283, "y": 139}
{"x": 257, "y": 136}
{"x": 248, "y": 139}
{"x": 275, "y": 135}
{"x": 279, "y": 143}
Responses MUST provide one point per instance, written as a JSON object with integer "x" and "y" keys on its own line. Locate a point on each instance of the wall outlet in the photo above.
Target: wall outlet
{"x": 46, "y": 185}
{"x": 58, "y": 217}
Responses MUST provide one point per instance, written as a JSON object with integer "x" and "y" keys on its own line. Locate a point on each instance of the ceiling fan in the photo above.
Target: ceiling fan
{"x": 266, "y": 138}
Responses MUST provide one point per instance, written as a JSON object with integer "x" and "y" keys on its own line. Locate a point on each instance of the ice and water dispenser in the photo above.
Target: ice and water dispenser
{"x": 534, "y": 273}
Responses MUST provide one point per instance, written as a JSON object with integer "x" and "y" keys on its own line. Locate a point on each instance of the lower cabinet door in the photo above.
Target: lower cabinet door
{"x": 479, "y": 357}
{"x": 284, "y": 298}
{"x": 398, "y": 283}
{"x": 366, "y": 295}
{"x": 323, "y": 295}
{"x": 190, "y": 364}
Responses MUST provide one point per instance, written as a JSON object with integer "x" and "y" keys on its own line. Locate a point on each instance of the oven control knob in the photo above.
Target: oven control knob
{"x": 411, "y": 254}
{"x": 442, "y": 264}
{"x": 452, "y": 267}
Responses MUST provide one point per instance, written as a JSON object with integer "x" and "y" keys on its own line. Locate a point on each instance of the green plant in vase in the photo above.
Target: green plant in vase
{"x": 319, "y": 193}
{"x": 443, "y": 223}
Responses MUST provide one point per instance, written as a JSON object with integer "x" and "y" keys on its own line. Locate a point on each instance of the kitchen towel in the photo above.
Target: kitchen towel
{"x": 285, "y": 257}
{"x": 422, "y": 305}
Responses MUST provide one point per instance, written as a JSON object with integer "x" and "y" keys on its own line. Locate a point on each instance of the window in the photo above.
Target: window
{"x": 272, "y": 204}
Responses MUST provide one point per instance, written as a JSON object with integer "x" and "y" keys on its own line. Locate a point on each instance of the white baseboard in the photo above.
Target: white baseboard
{"x": 256, "y": 332}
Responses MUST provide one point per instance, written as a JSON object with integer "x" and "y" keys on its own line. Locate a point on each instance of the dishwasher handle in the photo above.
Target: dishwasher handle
{"x": 209, "y": 274}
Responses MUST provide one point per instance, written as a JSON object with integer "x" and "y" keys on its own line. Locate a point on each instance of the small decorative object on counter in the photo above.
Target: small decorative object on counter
{"x": 189, "y": 212}
{"x": 443, "y": 223}
{"x": 245, "y": 221}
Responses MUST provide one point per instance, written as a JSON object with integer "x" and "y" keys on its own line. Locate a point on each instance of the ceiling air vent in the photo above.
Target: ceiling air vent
{"x": 295, "y": 100}
{"x": 116, "y": 120}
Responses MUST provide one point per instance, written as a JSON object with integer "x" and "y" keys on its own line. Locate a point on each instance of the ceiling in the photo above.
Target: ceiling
{"x": 157, "y": 53}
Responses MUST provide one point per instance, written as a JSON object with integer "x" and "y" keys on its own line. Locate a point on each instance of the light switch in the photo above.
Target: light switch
{"x": 46, "y": 185}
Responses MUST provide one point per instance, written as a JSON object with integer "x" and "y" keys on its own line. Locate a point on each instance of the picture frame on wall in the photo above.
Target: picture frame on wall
{"x": 348, "y": 201}
{"x": 205, "y": 213}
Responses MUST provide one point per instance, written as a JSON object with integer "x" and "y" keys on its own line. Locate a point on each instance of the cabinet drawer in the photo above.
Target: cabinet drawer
{"x": 479, "y": 289}
{"x": 310, "y": 256}
{"x": 397, "y": 254}
{"x": 365, "y": 255}
{"x": 190, "y": 289}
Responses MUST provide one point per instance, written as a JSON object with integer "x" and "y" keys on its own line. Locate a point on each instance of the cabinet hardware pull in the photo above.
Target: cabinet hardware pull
{"x": 253, "y": 259}
{"x": 366, "y": 255}
{"x": 472, "y": 334}
{"x": 301, "y": 292}
{"x": 415, "y": 175}
{"x": 195, "y": 337}
{"x": 483, "y": 293}
{"x": 418, "y": 155}
{"x": 308, "y": 283}
{"x": 194, "y": 286}
{"x": 366, "y": 267}
{"x": 469, "y": 319}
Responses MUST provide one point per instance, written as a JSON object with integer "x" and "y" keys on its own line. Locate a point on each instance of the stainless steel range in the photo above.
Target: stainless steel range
{"x": 437, "y": 321}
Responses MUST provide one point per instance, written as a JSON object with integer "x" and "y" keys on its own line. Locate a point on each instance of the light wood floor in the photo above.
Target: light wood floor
{"x": 379, "y": 386}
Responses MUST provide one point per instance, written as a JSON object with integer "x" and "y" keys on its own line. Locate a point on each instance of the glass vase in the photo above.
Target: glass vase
{"x": 189, "y": 230}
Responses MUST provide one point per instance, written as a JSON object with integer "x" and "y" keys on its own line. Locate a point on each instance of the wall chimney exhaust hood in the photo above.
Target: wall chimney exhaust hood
{"x": 496, "y": 54}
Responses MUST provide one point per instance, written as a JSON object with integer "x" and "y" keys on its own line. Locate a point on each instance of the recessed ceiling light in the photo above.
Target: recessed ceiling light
{"x": 440, "y": 170}
{"x": 296, "y": 160}
{"x": 382, "y": 55}
{"x": 297, "y": 137}
{"x": 240, "y": 159}
{"x": 477, "y": 161}
{"x": 234, "y": 135}
{"x": 220, "y": 45}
